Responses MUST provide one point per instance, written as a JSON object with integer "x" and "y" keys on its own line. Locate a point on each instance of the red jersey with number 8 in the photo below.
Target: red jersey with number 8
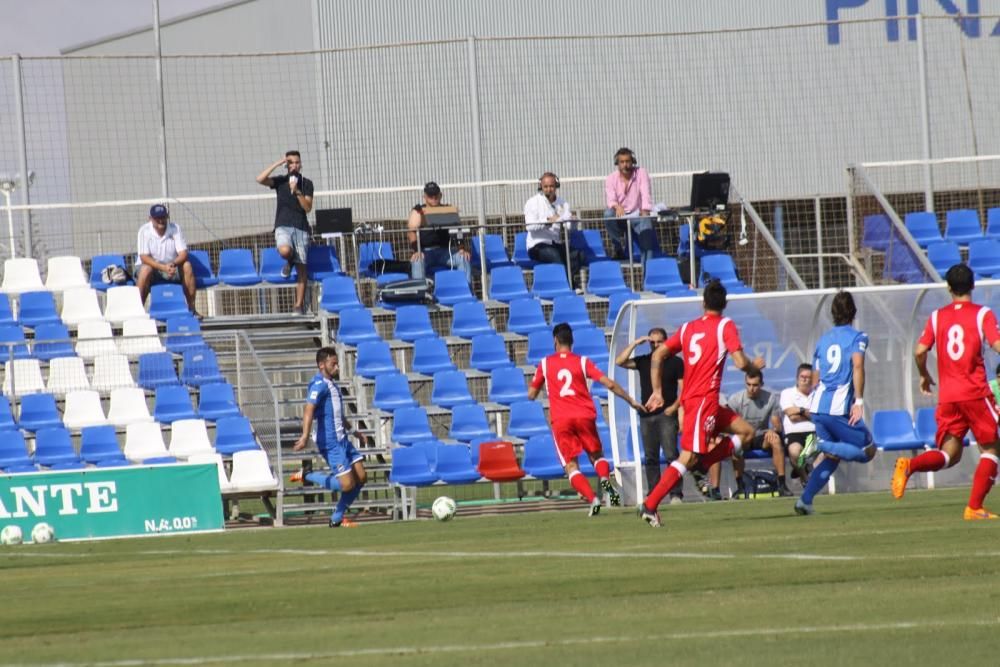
{"x": 703, "y": 344}
{"x": 959, "y": 330}
{"x": 565, "y": 376}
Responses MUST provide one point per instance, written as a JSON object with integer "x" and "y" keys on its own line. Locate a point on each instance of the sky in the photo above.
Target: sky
{"x": 43, "y": 27}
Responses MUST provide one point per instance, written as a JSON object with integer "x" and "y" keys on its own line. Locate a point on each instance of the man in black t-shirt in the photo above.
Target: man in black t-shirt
{"x": 658, "y": 428}
{"x": 436, "y": 250}
{"x": 294, "y": 195}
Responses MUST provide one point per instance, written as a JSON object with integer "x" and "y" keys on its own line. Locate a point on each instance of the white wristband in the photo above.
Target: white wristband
{"x": 859, "y": 401}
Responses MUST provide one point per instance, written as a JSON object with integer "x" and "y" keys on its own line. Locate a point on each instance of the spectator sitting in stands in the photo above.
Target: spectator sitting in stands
{"x": 797, "y": 423}
{"x": 163, "y": 256}
{"x": 546, "y": 215}
{"x": 628, "y": 195}
{"x": 434, "y": 251}
{"x": 760, "y": 408}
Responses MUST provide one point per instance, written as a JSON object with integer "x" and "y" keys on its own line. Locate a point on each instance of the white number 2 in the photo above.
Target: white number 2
{"x": 956, "y": 342}
{"x": 833, "y": 357}
{"x": 695, "y": 348}
{"x": 566, "y": 378}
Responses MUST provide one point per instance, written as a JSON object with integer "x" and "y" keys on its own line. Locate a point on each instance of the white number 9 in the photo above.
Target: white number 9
{"x": 834, "y": 357}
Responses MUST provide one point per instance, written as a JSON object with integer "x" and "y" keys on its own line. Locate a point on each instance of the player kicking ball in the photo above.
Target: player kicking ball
{"x": 703, "y": 344}
{"x": 965, "y": 401}
{"x": 837, "y": 406}
{"x": 574, "y": 417}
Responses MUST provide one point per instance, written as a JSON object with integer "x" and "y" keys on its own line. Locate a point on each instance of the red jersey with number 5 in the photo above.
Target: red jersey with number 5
{"x": 959, "y": 330}
{"x": 703, "y": 344}
{"x": 565, "y": 376}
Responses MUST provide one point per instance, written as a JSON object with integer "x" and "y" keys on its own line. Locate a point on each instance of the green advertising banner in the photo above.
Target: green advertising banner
{"x": 114, "y": 502}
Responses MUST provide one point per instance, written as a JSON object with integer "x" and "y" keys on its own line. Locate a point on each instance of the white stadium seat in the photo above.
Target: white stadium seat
{"x": 128, "y": 406}
{"x": 65, "y": 272}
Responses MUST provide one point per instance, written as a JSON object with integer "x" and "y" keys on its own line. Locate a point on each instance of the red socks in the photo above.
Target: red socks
{"x": 602, "y": 468}
{"x": 982, "y": 481}
{"x": 930, "y": 461}
{"x": 671, "y": 476}
{"x": 581, "y": 485}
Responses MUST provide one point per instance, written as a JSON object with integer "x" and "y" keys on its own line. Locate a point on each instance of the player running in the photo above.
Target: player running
{"x": 837, "y": 406}
{"x": 965, "y": 401}
{"x": 572, "y": 412}
{"x": 703, "y": 343}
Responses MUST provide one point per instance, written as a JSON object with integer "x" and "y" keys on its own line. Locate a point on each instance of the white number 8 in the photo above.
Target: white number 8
{"x": 566, "y": 378}
{"x": 834, "y": 357}
{"x": 956, "y": 342}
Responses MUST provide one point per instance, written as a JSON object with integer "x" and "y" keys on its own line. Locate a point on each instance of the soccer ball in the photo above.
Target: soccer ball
{"x": 11, "y": 535}
{"x": 443, "y": 508}
{"x": 42, "y": 533}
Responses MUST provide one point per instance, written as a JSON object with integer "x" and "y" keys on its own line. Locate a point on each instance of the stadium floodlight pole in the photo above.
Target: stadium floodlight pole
{"x": 164, "y": 187}
{"x": 925, "y": 123}
{"x": 22, "y": 151}
{"x": 477, "y": 152}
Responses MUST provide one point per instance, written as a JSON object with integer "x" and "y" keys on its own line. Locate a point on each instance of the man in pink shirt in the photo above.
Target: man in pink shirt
{"x": 627, "y": 195}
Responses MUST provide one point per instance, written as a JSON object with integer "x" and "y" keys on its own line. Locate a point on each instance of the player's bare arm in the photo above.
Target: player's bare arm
{"x": 307, "y": 420}
{"x": 533, "y": 393}
{"x": 858, "y": 409}
{"x": 920, "y": 357}
{"x": 742, "y": 361}
{"x": 617, "y": 390}
{"x": 655, "y": 401}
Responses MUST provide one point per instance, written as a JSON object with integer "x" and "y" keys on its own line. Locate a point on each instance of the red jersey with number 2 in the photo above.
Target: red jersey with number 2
{"x": 703, "y": 344}
{"x": 959, "y": 330}
{"x": 565, "y": 376}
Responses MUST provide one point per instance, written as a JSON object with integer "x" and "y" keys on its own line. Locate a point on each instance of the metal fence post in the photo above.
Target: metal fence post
{"x": 925, "y": 123}
{"x": 22, "y": 150}
{"x": 818, "y": 213}
{"x": 164, "y": 188}
{"x": 477, "y": 152}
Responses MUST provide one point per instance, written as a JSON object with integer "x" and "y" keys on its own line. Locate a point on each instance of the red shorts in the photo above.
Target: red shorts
{"x": 575, "y": 436}
{"x": 704, "y": 418}
{"x": 978, "y": 415}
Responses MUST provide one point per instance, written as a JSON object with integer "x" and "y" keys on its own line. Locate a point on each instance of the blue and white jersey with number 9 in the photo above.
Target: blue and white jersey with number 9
{"x": 834, "y": 394}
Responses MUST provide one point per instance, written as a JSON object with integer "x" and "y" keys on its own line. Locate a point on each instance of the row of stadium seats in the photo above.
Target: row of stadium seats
{"x": 81, "y": 305}
{"x": 139, "y": 336}
{"x": 894, "y": 430}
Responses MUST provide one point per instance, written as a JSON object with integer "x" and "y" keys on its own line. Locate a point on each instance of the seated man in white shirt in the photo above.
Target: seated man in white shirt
{"x": 163, "y": 256}
{"x": 546, "y": 215}
{"x": 798, "y": 426}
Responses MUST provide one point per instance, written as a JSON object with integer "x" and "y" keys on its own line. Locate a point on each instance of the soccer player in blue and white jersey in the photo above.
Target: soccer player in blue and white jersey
{"x": 837, "y": 406}
{"x": 325, "y": 406}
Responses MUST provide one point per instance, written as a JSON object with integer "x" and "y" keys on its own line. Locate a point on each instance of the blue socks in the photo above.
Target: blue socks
{"x": 345, "y": 501}
{"x": 818, "y": 479}
{"x": 323, "y": 479}
{"x": 843, "y": 450}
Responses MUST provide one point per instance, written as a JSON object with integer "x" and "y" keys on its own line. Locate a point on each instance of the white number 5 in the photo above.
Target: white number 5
{"x": 566, "y": 378}
{"x": 695, "y": 348}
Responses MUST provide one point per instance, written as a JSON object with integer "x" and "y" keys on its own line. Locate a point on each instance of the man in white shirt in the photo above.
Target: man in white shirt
{"x": 546, "y": 215}
{"x": 163, "y": 256}
{"x": 798, "y": 426}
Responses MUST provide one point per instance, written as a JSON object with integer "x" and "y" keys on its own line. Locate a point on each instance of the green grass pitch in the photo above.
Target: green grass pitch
{"x": 867, "y": 580}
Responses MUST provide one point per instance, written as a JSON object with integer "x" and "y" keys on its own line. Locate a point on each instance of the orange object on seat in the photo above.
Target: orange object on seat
{"x": 498, "y": 463}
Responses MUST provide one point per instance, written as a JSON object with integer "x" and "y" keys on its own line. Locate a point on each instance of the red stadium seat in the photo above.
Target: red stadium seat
{"x": 498, "y": 463}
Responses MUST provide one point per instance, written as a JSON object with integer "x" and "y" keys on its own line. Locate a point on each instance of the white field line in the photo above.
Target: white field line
{"x": 441, "y": 649}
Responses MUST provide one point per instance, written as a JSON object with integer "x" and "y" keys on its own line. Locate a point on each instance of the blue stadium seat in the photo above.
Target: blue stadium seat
{"x": 507, "y": 284}
{"x": 507, "y": 385}
{"x": 525, "y": 316}
{"x": 13, "y": 452}
{"x": 233, "y": 434}
{"x": 236, "y": 267}
{"x": 590, "y": 342}
{"x": 410, "y": 425}
{"x": 520, "y": 256}
{"x": 356, "y": 326}
{"x": 39, "y": 411}
{"x": 454, "y": 464}
{"x": 339, "y": 293}
{"x": 944, "y": 254}
{"x": 598, "y": 390}
{"x": 926, "y": 426}
{"x": 601, "y": 421}
{"x": 99, "y": 445}
{"x": 51, "y": 341}
{"x": 410, "y": 467}
{"x": 902, "y": 264}
{"x": 469, "y": 319}
{"x": 54, "y": 448}
{"x": 271, "y": 263}
{"x": 606, "y": 278}
{"x": 589, "y": 243}
{"x": 663, "y": 276}
{"x": 201, "y": 264}
{"x": 97, "y": 265}
{"x": 527, "y": 418}
{"x": 992, "y": 224}
{"x": 496, "y": 253}
{"x": 984, "y": 257}
{"x": 6, "y": 417}
{"x": 450, "y": 389}
{"x": 374, "y": 357}
{"x": 217, "y": 400}
{"x": 468, "y": 421}
{"x": 186, "y": 330}
{"x": 370, "y": 252}
{"x": 38, "y": 308}
{"x": 489, "y": 351}
{"x": 200, "y": 367}
{"x": 721, "y": 267}
{"x": 571, "y": 309}
{"x": 550, "y": 281}
{"x": 157, "y": 369}
{"x": 321, "y": 262}
{"x": 540, "y": 458}
{"x": 413, "y": 322}
{"x": 876, "y": 232}
{"x": 452, "y": 287}
{"x": 166, "y": 301}
{"x": 6, "y": 313}
{"x": 173, "y": 402}
{"x": 618, "y": 299}
{"x": 430, "y": 355}
{"x": 540, "y": 345}
{"x": 893, "y": 430}
{"x": 392, "y": 391}
{"x": 12, "y": 342}
{"x": 962, "y": 226}
{"x": 923, "y": 227}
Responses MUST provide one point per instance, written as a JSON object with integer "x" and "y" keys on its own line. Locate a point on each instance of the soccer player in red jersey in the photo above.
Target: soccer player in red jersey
{"x": 965, "y": 401}
{"x": 573, "y": 415}
{"x": 703, "y": 344}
